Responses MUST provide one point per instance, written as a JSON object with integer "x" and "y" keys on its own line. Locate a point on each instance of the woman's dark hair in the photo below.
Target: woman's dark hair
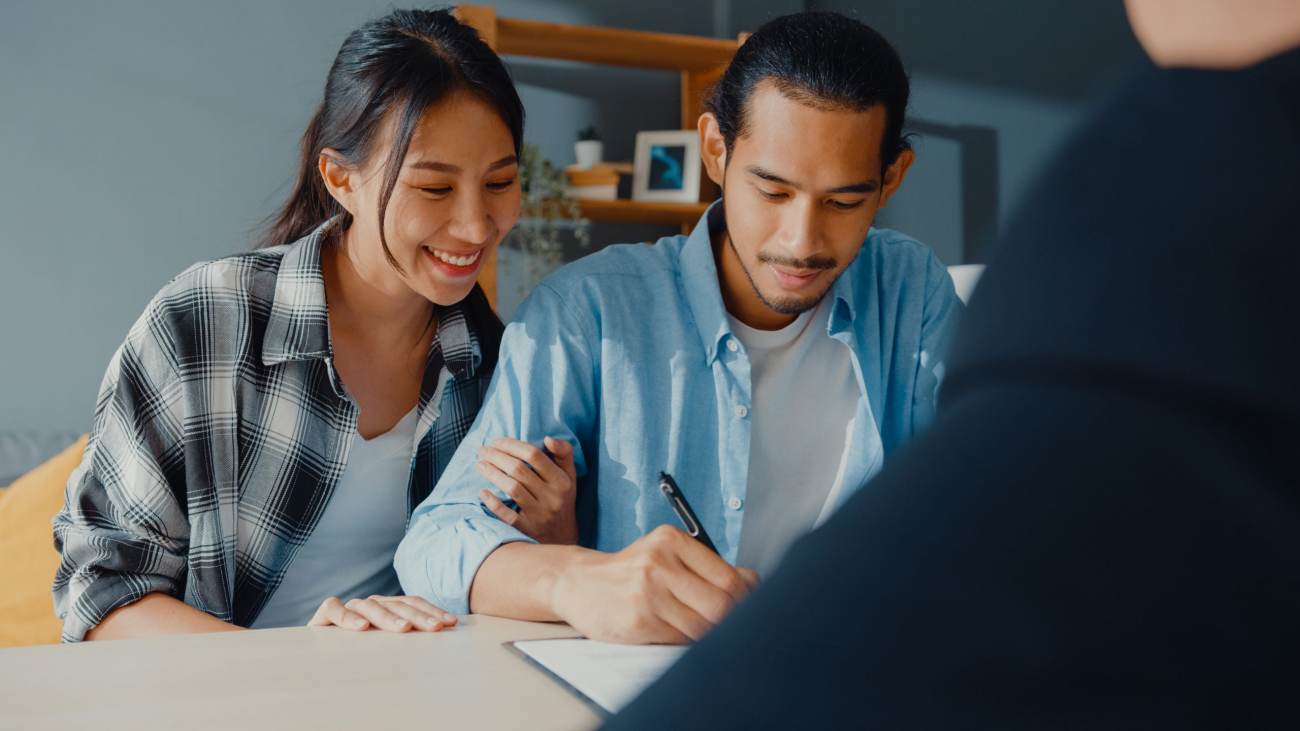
{"x": 822, "y": 59}
{"x": 395, "y": 68}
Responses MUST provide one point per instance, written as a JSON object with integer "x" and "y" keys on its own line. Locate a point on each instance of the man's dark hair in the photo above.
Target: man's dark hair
{"x": 821, "y": 59}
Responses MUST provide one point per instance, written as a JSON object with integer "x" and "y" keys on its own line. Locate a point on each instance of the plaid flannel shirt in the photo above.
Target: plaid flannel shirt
{"x": 220, "y": 432}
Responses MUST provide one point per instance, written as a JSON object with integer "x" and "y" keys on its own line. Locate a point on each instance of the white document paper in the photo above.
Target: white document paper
{"x": 609, "y": 675}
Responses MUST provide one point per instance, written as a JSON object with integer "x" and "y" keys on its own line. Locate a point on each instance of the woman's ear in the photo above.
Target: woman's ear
{"x": 338, "y": 178}
{"x": 713, "y": 148}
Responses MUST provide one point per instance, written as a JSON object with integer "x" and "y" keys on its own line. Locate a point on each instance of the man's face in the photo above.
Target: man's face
{"x": 801, "y": 189}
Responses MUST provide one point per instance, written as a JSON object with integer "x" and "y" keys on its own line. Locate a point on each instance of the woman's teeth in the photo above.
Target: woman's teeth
{"x": 457, "y": 261}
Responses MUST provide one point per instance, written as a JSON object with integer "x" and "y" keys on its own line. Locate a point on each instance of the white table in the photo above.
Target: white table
{"x": 313, "y": 678}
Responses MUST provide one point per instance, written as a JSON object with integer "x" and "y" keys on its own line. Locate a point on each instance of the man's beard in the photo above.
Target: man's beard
{"x": 780, "y": 305}
{"x": 783, "y": 305}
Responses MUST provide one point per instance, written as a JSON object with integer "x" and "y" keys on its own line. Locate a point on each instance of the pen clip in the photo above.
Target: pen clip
{"x": 679, "y": 507}
{"x": 683, "y": 510}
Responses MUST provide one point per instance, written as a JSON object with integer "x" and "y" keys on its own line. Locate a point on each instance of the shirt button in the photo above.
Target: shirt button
{"x": 741, "y": 411}
{"x": 734, "y": 503}
{"x": 731, "y": 345}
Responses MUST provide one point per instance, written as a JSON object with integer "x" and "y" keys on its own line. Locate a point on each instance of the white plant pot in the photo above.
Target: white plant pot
{"x": 588, "y": 152}
{"x": 594, "y": 192}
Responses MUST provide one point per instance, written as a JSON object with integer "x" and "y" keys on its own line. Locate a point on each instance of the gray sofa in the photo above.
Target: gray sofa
{"x": 20, "y": 451}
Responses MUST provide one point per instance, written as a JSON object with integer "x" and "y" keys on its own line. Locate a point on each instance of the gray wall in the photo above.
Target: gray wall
{"x": 140, "y": 136}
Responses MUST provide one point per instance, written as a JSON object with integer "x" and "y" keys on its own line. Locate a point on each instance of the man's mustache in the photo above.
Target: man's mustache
{"x": 812, "y": 262}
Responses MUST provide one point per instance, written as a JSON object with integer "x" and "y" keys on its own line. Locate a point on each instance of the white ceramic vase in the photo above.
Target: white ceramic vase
{"x": 588, "y": 152}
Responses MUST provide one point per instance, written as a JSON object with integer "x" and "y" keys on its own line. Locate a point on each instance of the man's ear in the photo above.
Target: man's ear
{"x": 339, "y": 179}
{"x": 713, "y": 148}
{"x": 894, "y": 175}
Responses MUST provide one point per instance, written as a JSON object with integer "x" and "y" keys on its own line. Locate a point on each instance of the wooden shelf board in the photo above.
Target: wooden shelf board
{"x": 626, "y": 211}
{"x": 613, "y": 46}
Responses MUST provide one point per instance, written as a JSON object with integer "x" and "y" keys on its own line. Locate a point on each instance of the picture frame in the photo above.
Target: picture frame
{"x": 666, "y": 167}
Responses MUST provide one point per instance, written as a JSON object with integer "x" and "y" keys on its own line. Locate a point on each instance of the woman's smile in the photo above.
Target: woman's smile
{"x": 456, "y": 264}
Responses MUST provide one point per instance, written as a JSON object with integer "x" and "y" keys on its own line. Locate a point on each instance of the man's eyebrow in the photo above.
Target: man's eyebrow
{"x": 866, "y": 186}
{"x": 765, "y": 174}
{"x": 442, "y": 167}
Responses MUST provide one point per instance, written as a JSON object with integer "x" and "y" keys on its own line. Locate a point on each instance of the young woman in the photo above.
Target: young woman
{"x": 263, "y": 433}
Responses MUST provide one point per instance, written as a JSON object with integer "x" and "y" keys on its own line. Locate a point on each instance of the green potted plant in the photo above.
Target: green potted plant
{"x": 588, "y": 149}
{"x": 545, "y": 209}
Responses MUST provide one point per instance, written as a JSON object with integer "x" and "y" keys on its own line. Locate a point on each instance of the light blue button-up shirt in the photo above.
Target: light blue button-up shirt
{"x": 625, "y": 353}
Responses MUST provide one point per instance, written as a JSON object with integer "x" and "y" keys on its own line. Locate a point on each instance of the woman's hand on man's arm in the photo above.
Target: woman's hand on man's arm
{"x": 544, "y": 486}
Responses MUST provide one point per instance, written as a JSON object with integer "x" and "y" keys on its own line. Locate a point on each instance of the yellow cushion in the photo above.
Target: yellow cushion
{"x": 28, "y": 560}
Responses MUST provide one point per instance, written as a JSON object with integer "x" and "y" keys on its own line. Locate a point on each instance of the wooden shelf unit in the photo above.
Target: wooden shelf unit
{"x": 699, "y": 60}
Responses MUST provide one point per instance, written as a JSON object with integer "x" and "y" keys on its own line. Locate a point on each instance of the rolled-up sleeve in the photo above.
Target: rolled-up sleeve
{"x": 544, "y": 386}
{"x": 123, "y": 531}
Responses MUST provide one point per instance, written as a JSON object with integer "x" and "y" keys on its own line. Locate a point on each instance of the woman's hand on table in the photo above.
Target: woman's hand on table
{"x": 388, "y": 613}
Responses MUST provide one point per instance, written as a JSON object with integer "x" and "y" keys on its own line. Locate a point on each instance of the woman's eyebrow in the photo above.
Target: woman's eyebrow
{"x": 506, "y": 161}
{"x": 443, "y": 167}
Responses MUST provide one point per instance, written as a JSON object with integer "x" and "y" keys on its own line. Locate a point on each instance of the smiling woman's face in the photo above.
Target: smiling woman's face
{"x": 456, "y": 197}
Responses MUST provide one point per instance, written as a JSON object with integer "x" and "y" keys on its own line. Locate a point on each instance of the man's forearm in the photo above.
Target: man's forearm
{"x": 518, "y": 580}
{"x": 157, "y": 614}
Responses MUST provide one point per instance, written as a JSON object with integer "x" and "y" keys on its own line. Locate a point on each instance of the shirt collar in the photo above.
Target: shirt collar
{"x": 457, "y": 339}
{"x": 844, "y": 290}
{"x": 298, "y": 328}
{"x": 700, "y": 283}
{"x": 703, "y": 290}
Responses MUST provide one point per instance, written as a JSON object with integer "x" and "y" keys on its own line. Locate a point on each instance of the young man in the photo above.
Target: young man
{"x": 769, "y": 362}
{"x": 1102, "y": 528}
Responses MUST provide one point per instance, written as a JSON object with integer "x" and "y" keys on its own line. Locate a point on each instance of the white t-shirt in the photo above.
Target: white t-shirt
{"x": 350, "y": 552}
{"x": 805, "y": 396}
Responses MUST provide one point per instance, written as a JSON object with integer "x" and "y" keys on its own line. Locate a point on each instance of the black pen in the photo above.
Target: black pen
{"x": 683, "y": 509}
